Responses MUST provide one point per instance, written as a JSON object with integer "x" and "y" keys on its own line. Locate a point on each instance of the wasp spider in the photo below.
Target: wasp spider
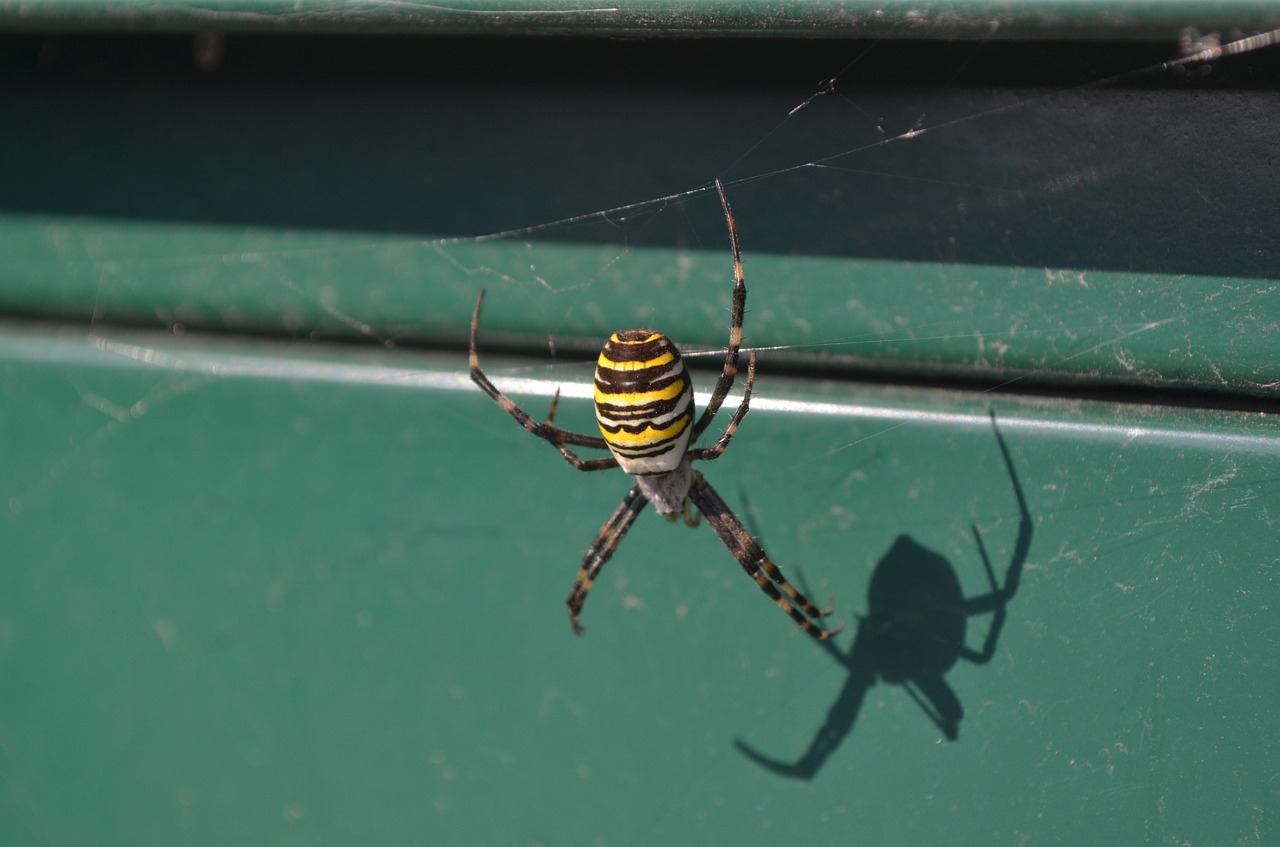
{"x": 644, "y": 407}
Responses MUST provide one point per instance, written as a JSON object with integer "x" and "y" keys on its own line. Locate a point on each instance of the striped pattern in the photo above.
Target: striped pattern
{"x": 644, "y": 401}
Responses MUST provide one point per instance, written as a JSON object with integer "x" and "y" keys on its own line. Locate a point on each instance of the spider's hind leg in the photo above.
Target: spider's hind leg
{"x": 602, "y": 549}
{"x": 756, "y": 562}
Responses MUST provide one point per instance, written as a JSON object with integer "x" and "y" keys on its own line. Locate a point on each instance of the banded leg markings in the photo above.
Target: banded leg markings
{"x": 602, "y": 549}
{"x": 753, "y": 559}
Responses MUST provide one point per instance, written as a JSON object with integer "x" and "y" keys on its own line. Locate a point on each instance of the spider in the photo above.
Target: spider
{"x": 645, "y": 410}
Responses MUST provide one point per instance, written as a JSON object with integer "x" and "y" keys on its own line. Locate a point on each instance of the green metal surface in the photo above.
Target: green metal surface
{"x": 988, "y": 323}
{"x": 260, "y": 596}
{"x": 1099, "y": 220}
{"x": 277, "y": 572}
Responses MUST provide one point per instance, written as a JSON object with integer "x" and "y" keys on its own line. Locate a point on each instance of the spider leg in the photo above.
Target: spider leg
{"x": 714, "y": 451}
{"x": 581, "y": 464}
{"x": 831, "y": 607}
{"x": 754, "y": 560}
{"x": 601, "y": 550}
{"x": 735, "y": 329}
{"x": 555, "y": 435}
{"x": 551, "y": 412}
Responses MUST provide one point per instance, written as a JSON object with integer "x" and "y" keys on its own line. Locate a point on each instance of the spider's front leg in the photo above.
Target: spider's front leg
{"x": 714, "y": 451}
{"x": 548, "y": 432}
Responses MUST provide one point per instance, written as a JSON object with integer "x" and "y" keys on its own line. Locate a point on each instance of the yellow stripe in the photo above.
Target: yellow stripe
{"x": 641, "y": 398}
{"x": 665, "y": 359}
{"x": 648, "y": 435}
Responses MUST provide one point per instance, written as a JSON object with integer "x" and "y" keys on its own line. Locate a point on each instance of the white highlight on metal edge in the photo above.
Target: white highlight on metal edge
{"x": 250, "y": 365}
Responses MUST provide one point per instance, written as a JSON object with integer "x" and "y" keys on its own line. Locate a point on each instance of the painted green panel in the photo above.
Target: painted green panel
{"x": 1065, "y": 215}
{"x": 985, "y": 323}
{"x": 276, "y": 594}
{"x": 271, "y": 591}
{"x": 860, "y": 18}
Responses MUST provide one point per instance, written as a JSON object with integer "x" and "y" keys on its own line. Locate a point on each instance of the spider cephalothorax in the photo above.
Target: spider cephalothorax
{"x": 645, "y": 410}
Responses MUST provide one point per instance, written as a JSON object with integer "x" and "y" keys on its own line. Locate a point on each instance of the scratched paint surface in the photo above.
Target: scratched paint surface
{"x": 301, "y": 599}
{"x": 264, "y": 592}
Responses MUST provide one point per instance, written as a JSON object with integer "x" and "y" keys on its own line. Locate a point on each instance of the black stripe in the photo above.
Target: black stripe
{"x": 612, "y": 381}
{"x": 647, "y": 452}
{"x": 656, "y": 409}
{"x": 636, "y": 430}
{"x": 638, "y": 352}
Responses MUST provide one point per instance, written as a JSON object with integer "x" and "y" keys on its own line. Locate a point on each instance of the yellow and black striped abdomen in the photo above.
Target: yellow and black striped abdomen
{"x": 644, "y": 401}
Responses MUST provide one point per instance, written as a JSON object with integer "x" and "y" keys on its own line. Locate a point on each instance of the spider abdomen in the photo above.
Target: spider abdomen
{"x": 644, "y": 401}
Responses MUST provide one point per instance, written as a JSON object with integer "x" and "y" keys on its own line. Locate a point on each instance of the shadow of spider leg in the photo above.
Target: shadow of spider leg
{"x": 912, "y": 634}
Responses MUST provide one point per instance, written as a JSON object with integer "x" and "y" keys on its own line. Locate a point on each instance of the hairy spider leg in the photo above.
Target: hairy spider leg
{"x": 755, "y": 561}
{"x": 713, "y": 452}
{"x": 555, "y": 435}
{"x": 601, "y": 550}
{"x": 730, "y": 370}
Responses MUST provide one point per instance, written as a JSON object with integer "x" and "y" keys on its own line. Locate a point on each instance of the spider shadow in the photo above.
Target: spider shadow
{"x": 912, "y": 635}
